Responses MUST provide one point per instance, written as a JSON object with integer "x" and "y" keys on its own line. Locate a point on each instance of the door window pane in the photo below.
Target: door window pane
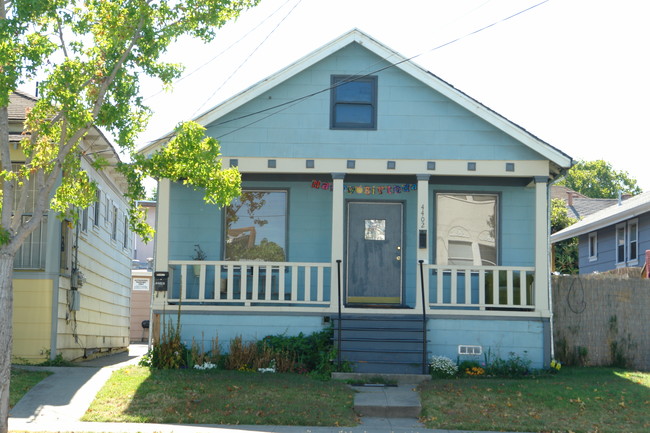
{"x": 466, "y": 229}
{"x": 256, "y": 225}
{"x": 375, "y": 230}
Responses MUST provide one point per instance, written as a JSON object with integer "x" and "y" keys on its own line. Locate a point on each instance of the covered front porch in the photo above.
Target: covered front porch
{"x": 518, "y": 288}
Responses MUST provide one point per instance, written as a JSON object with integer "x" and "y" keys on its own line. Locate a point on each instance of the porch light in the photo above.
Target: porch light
{"x": 271, "y": 163}
{"x": 390, "y": 165}
{"x": 510, "y": 166}
{"x": 309, "y": 163}
{"x": 234, "y": 162}
{"x": 471, "y": 166}
{"x": 351, "y": 163}
{"x": 431, "y": 165}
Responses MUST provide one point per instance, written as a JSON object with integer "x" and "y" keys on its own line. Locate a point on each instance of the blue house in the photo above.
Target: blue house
{"x": 374, "y": 188}
{"x": 613, "y": 238}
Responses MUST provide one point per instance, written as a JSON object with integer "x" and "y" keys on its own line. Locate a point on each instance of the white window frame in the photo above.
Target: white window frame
{"x": 620, "y": 229}
{"x": 97, "y": 208}
{"x": 593, "y": 246}
{"x": 632, "y": 245}
{"x": 114, "y": 220}
{"x": 125, "y": 238}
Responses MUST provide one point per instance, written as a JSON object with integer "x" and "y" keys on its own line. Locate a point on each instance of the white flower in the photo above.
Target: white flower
{"x": 443, "y": 365}
{"x": 205, "y": 366}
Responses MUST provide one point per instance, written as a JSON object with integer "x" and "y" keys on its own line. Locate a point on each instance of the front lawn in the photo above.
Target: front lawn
{"x": 138, "y": 394}
{"x": 22, "y": 381}
{"x": 576, "y": 399}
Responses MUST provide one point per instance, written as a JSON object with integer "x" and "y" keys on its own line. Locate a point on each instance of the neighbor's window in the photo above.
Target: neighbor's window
{"x": 632, "y": 241}
{"x": 256, "y": 226}
{"x": 97, "y": 207}
{"x": 31, "y": 254}
{"x": 620, "y": 243}
{"x": 353, "y": 102}
{"x": 466, "y": 229}
{"x": 593, "y": 246}
{"x": 114, "y": 223}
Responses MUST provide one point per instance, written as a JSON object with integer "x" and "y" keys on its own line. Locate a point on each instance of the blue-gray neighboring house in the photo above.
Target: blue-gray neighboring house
{"x": 374, "y": 188}
{"x": 615, "y": 237}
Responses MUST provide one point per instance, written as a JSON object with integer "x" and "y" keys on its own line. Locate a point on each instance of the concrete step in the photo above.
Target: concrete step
{"x": 400, "y": 401}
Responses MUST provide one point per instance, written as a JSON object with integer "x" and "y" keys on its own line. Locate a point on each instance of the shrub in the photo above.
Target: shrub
{"x": 441, "y": 366}
{"x": 311, "y": 353}
{"x": 514, "y": 366}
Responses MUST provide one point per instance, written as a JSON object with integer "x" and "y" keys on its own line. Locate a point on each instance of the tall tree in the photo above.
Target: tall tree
{"x": 598, "y": 179}
{"x": 89, "y": 56}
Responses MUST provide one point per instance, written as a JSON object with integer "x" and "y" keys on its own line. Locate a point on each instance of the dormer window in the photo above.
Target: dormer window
{"x": 353, "y": 102}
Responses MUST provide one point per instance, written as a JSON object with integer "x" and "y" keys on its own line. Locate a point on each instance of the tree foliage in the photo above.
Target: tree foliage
{"x": 565, "y": 252}
{"x": 89, "y": 57}
{"x": 598, "y": 179}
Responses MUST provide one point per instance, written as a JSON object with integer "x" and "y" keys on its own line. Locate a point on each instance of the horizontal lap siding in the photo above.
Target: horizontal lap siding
{"x": 414, "y": 121}
{"x": 499, "y": 338}
{"x": 103, "y": 321}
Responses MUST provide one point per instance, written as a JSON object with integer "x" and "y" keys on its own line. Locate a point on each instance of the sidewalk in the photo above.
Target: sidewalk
{"x": 59, "y": 401}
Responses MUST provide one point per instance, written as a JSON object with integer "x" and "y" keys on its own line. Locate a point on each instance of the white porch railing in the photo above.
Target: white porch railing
{"x": 249, "y": 283}
{"x": 479, "y": 287}
{"x": 226, "y": 284}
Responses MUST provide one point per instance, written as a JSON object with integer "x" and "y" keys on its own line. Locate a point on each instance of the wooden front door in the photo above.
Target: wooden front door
{"x": 374, "y": 253}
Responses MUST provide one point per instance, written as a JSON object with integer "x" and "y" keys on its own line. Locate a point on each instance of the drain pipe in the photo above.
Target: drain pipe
{"x": 424, "y": 319}
{"x": 338, "y": 352}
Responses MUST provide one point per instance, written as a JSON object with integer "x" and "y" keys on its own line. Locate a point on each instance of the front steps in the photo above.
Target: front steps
{"x": 381, "y": 343}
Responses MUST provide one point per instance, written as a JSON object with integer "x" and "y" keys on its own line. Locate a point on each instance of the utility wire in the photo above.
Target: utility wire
{"x": 246, "y": 59}
{"x": 354, "y": 78}
{"x": 288, "y": 104}
{"x": 221, "y": 52}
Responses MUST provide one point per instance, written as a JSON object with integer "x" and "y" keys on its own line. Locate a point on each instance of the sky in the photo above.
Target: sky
{"x": 575, "y": 73}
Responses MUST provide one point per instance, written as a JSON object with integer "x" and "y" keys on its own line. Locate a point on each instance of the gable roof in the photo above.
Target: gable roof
{"x": 560, "y": 161}
{"x": 611, "y": 215}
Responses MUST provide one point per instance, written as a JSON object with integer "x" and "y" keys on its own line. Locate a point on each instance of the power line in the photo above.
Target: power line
{"x": 292, "y": 102}
{"x": 247, "y": 58}
{"x": 222, "y": 51}
{"x": 288, "y": 104}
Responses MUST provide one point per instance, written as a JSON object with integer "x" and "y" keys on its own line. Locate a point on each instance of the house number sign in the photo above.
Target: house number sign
{"x": 423, "y": 218}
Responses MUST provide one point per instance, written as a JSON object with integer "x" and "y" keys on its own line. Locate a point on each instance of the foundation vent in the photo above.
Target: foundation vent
{"x": 470, "y": 350}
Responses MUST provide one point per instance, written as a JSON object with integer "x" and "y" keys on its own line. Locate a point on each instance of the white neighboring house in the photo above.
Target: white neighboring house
{"x": 72, "y": 283}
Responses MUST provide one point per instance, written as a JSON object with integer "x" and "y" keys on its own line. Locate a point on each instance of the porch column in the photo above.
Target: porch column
{"x": 161, "y": 241}
{"x": 422, "y": 231}
{"x": 542, "y": 272}
{"x": 337, "y": 235}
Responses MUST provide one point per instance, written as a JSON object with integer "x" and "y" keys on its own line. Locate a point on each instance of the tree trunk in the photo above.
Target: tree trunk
{"x": 6, "y": 313}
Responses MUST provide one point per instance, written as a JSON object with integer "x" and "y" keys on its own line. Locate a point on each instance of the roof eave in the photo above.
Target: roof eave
{"x": 579, "y": 229}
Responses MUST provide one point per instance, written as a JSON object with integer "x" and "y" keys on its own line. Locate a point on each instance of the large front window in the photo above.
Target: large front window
{"x": 466, "y": 228}
{"x": 256, "y": 226}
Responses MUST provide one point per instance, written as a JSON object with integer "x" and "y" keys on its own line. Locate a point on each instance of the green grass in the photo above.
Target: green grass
{"x": 576, "y": 400}
{"x": 137, "y": 394}
{"x": 22, "y": 381}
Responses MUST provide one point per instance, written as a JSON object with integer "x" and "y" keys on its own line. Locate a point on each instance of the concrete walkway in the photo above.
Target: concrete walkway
{"x": 58, "y": 402}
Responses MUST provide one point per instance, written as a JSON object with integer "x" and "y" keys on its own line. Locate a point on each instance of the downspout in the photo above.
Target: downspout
{"x": 53, "y": 258}
{"x": 549, "y": 277}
